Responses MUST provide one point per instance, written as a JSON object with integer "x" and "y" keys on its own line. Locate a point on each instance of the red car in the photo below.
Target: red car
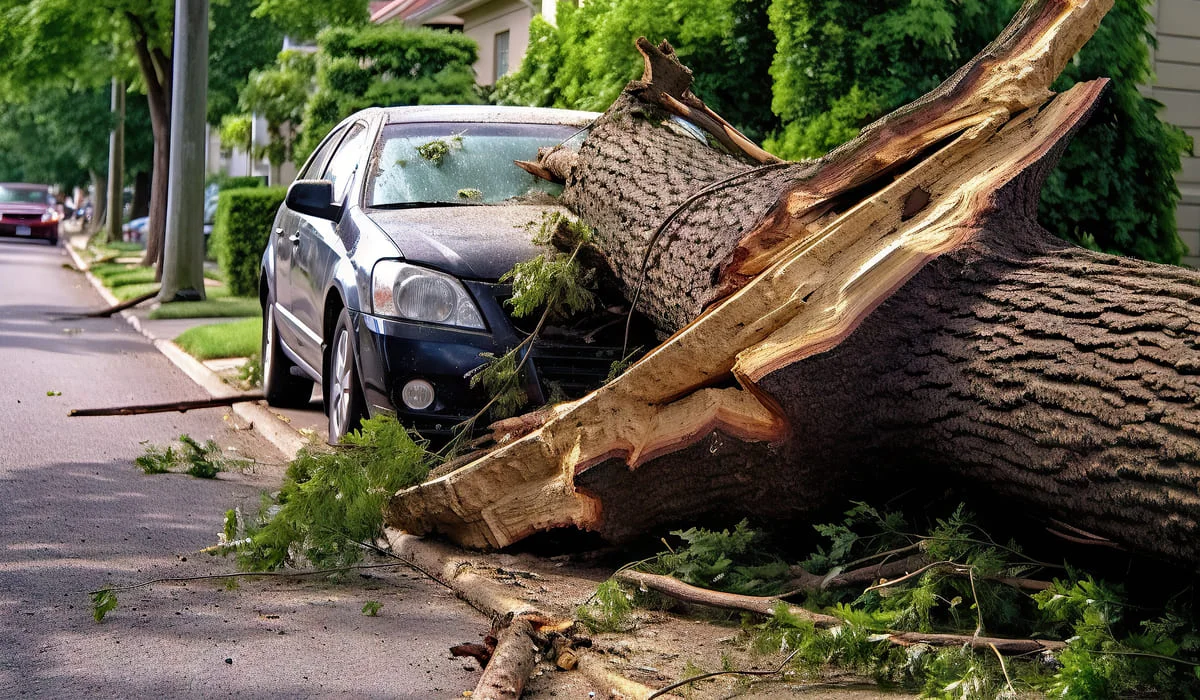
{"x": 27, "y": 211}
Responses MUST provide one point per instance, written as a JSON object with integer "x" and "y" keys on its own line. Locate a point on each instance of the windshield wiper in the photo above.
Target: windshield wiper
{"x": 421, "y": 205}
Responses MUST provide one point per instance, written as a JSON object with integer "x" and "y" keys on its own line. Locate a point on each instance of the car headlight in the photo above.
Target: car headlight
{"x": 415, "y": 293}
{"x": 50, "y": 215}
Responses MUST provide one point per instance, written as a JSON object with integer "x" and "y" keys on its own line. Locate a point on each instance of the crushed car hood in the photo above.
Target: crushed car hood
{"x": 478, "y": 242}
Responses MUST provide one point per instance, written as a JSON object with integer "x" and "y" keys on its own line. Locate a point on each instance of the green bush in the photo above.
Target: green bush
{"x": 234, "y": 182}
{"x": 382, "y": 66}
{"x": 241, "y": 231}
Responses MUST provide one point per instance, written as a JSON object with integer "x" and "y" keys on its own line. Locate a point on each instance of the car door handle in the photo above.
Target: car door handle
{"x": 295, "y": 238}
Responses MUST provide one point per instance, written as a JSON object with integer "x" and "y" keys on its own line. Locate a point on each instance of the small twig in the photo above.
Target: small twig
{"x": 239, "y": 574}
{"x": 180, "y": 406}
{"x": 937, "y": 564}
{"x": 702, "y": 676}
{"x": 1003, "y": 668}
{"x": 975, "y": 597}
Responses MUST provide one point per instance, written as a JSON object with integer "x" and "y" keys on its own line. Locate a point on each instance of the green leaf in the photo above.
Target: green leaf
{"x": 104, "y": 601}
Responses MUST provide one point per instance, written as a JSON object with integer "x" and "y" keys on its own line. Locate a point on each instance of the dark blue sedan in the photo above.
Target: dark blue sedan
{"x": 380, "y": 281}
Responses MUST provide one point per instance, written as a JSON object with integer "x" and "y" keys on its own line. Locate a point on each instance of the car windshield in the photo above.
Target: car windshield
{"x": 458, "y": 162}
{"x": 25, "y": 195}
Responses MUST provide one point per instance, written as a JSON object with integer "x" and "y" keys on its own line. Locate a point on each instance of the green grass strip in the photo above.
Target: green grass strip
{"x": 130, "y": 291}
{"x": 219, "y": 307}
{"x": 236, "y": 339}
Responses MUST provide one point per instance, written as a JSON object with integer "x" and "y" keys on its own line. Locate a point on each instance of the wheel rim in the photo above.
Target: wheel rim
{"x": 341, "y": 385}
{"x": 268, "y": 347}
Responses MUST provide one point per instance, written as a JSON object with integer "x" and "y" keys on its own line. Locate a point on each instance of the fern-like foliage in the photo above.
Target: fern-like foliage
{"x": 331, "y": 501}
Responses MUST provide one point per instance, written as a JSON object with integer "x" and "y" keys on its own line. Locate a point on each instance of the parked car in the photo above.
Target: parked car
{"x": 134, "y": 230}
{"x": 380, "y": 280}
{"x": 28, "y": 211}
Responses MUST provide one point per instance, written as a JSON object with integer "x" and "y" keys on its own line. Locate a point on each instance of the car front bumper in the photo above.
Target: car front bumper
{"x": 28, "y": 228}
{"x": 392, "y": 353}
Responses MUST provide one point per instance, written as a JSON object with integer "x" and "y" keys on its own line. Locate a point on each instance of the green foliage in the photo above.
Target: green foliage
{"x": 435, "y": 151}
{"x": 502, "y": 379}
{"x": 250, "y": 374}
{"x": 104, "y": 601}
{"x": 57, "y": 136}
{"x": 385, "y": 65}
{"x": 279, "y": 93}
{"x": 330, "y": 502}
{"x": 725, "y": 560}
{"x": 201, "y": 460}
{"x": 219, "y": 340}
{"x": 841, "y": 65}
{"x": 234, "y": 182}
{"x": 239, "y": 43}
{"x": 1107, "y": 655}
{"x": 302, "y": 19}
{"x": 1115, "y": 187}
{"x": 554, "y": 280}
{"x": 219, "y": 307}
{"x": 371, "y": 608}
{"x": 586, "y": 61}
{"x": 608, "y": 610}
{"x": 235, "y": 131}
{"x": 241, "y": 231}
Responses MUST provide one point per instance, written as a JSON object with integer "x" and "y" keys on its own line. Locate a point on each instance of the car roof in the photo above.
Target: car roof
{"x": 484, "y": 113}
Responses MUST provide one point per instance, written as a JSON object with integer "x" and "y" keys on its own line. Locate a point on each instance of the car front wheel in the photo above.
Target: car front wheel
{"x": 281, "y": 388}
{"x": 344, "y": 401}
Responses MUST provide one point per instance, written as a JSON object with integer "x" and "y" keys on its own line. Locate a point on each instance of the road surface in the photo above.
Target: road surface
{"x": 75, "y": 514}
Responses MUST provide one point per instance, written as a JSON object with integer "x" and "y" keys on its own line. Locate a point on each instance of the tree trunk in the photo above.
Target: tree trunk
{"x": 155, "y": 67}
{"x": 892, "y": 307}
{"x": 99, "y": 203}
{"x": 140, "y": 206}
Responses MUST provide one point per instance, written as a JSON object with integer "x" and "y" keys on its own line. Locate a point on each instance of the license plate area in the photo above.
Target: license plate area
{"x": 24, "y": 231}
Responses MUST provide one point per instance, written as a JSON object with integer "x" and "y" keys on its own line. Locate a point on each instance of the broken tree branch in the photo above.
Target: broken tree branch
{"x": 511, "y": 663}
{"x": 179, "y": 406}
{"x": 105, "y": 313}
{"x": 766, "y": 605}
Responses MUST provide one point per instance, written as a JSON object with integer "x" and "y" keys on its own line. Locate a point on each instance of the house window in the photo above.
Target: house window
{"x": 501, "y": 55}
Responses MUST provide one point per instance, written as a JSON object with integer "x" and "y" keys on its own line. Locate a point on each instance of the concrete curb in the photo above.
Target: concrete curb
{"x": 265, "y": 423}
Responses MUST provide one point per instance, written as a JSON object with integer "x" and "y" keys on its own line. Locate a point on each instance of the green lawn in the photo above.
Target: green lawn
{"x": 236, "y": 339}
{"x": 219, "y": 305}
{"x": 129, "y": 291}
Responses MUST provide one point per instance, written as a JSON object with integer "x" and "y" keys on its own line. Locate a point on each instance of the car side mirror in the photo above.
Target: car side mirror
{"x": 314, "y": 198}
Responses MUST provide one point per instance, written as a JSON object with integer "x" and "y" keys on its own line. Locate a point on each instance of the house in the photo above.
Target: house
{"x": 499, "y": 27}
{"x": 1177, "y": 67}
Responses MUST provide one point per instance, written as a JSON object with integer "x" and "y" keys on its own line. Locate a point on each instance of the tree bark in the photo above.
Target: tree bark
{"x": 155, "y": 68}
{"x": 892, "y": 308}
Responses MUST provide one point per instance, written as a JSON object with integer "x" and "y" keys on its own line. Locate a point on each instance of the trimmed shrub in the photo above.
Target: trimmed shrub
{"x": 241, "y": 231}
{"x": 235, "y": 182}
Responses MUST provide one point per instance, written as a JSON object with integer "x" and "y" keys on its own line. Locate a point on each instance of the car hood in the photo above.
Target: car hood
{"x": 479, "y": 242}
{"x": 23, "y": 208}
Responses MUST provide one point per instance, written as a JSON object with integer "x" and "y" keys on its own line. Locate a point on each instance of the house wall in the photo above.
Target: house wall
{"x": 484, "y": 22}
{"x": 1177, "y": 67}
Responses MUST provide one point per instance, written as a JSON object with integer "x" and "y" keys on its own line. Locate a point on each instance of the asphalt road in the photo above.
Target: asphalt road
{"x": 75, "y": 514}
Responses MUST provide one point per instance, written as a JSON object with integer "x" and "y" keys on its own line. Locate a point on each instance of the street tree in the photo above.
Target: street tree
{"x": 304, "y": 19}
{"x": 385, "y": 65}
{"x": 888, "y": 316}
{"x": 842, "y": 64}
{"x": 585, "y": 61}
{"x": 278, "y": 94}
{"x": 240, "y": 42}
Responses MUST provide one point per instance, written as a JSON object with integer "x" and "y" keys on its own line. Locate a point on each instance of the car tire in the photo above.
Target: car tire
{"x": 344, "y": 403}
{"x": 281, "y": 388}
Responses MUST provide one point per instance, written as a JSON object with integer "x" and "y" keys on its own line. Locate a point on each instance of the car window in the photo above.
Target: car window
{"x": 342, "y": 165}
{"x": 26, "y": 195}
{"x": 317, "y": 164}
{"x": 458, "y": 162}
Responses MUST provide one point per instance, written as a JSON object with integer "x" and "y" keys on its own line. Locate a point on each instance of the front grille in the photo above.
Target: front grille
{"x": 573, "y": 370}
{"x": 22, "y": 217}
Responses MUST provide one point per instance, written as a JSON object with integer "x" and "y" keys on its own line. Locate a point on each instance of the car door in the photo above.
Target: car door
{"x": 285, "y": 247}
{"x": 319, "y": 248}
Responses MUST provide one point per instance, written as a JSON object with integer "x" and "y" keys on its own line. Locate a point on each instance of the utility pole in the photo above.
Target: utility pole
{"x": 116, "y": 162}
{"x": 183, "y": 247}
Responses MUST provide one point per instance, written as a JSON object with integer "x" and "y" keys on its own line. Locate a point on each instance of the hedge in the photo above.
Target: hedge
{"x": 241, "y": 231}
{"x": 235, "y": 182}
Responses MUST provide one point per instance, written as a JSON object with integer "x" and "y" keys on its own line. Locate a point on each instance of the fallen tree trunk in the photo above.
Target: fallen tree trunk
{"x": 892, "y": 305}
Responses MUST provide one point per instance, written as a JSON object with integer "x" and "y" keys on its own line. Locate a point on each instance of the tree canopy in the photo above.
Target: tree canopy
{"x": 823, "y": 69}
{"x": 239, "y": 43}
{"x": 589, "y": 57}
{"x": 385, "y": 65}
